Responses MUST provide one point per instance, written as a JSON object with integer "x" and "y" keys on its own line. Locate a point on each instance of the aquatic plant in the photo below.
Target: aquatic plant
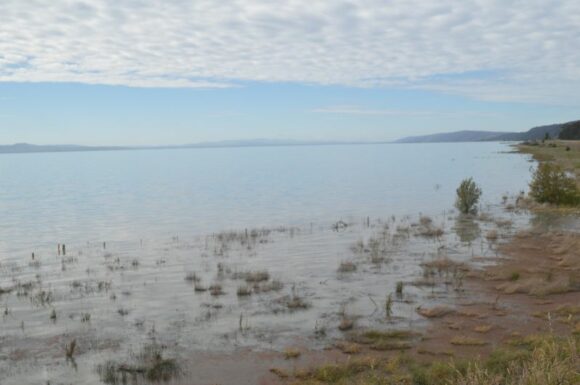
{"x": 346, "y": 324}
{"x": 346, "y": 267}
{"x": 244, "y": 290}
{"x": 198, "y": 287}
{"x": 252, "y": 276}
{"x": 265, "y": 287}
{"x": 467, "y": 341}
{"x": 399, "y": 288}
{"x": 123, "y": 312}
{"x": 70, "y": 348}
{"x": 192, "y": 277}
{"x": 216, "y": 289}
{"x": 468, "y": 194}
{"x": 149, "y": 365}
{"x": 296, "y": 302}
{"x": 389, "y": 306}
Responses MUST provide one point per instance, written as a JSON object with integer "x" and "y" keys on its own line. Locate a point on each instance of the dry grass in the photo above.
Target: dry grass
{"x": 444, "y": 264}
{"x": 430, "y": 231}
{"x": 293, "y": 302}
{"x": 386, "y": 340}
{"x": 385, "y": 345}
{"x": 482, "y": 328}
{"x": 492, "y": 235}
{"x": 252, "y": 276}
{"x": 265, "y": 287}
{"x": 280, "y": 372}
{"x": 544, "y": 360}
{"x": 348, "y": 347}
{"x": 346, "y": 324}
{"x": 435, "y": 312}
{"x": 290, "y": 353}
{"x": 467, "y": 341}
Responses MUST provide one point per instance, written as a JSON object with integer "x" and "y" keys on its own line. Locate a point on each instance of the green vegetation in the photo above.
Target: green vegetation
{"x": 538, "y": 360}
{"x": 570, "y": 131}
{"x": 564, "y": 153}
{"x": 514, "y": 276}
{"x": 468, "y": 194}
{"x": 551, "y": 184}
{"x": 399, "y": 289}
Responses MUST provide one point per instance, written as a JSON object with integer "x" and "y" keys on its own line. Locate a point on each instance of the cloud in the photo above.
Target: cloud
{"x": 526, "y": 50}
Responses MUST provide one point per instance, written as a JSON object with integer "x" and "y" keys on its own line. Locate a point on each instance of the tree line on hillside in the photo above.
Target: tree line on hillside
{"x": 570, "y": 131}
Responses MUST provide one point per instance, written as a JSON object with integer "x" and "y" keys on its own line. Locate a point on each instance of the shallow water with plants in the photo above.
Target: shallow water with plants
{"x": 217, "y": 250}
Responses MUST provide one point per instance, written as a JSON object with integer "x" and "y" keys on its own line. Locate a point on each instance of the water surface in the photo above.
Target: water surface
{"x": 127, "y": 195}
{"x": 135, "y": 223}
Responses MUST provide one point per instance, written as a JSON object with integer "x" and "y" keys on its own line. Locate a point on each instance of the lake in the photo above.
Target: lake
{"x": 127, "y": 195}
{"x": 232, "y": 248}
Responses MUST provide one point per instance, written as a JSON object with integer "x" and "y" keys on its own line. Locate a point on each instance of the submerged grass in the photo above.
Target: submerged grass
{"x": 385, "y": 340}
{"x": 149, "y": 365}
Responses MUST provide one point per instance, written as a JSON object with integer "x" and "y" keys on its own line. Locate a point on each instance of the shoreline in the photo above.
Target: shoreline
{"x": 504, "y": 314}
{"x": 474, "y": 322}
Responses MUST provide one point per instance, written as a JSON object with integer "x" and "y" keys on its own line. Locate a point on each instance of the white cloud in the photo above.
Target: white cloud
{"x": 529, "y": 49}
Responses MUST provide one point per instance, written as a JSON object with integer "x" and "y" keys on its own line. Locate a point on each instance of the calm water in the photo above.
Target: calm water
{"x": 127, "y": 195}
{"x": 161, "y": 213}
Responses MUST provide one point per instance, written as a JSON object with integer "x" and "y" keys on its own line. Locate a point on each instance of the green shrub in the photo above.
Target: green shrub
{"x": 468, "y": 194}
{"x": 551, "y": 184}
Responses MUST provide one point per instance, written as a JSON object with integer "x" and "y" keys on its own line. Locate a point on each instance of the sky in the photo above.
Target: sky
{"x": 133, "y": 72}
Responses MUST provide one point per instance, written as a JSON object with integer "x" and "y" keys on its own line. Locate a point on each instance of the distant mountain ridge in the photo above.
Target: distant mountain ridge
{"x": 570, "y": 130}
{"x": 20, "y": 148}
{"x": 536, "y": 133}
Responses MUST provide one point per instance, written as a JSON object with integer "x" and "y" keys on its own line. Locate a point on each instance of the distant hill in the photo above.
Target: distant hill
{"x": 457, "y": 136}
{"x": 26, "y": 148}
{"x": 263, "y": 143}
{"x": 536, "y": 133}
{"x": 33, "y": 148}
{"x": 570, "y": 131}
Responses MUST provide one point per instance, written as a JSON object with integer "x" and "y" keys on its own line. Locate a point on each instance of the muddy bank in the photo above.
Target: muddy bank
{"x": 534, "y": 288}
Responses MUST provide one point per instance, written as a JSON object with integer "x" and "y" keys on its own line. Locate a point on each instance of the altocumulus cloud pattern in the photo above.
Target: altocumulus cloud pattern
{"x": 487, "y": 49}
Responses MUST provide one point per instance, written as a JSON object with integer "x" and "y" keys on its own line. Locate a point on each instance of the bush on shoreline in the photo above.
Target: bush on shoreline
{"x": 551, "y": 184}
